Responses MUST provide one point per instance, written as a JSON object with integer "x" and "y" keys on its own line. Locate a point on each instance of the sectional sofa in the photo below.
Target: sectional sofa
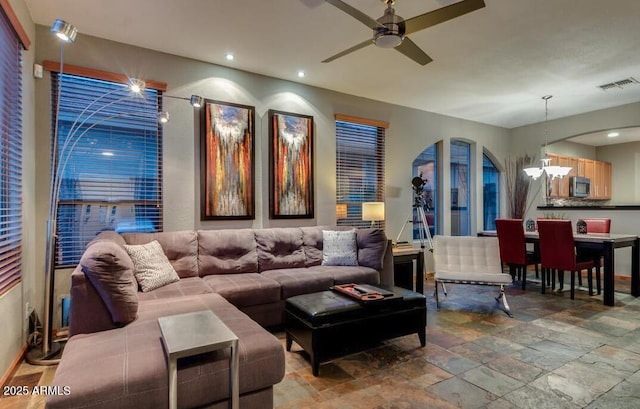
{"x": 114, "y": 357}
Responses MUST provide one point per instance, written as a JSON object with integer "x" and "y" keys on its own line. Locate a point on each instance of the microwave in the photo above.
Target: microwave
{"x": 579, "y": 187}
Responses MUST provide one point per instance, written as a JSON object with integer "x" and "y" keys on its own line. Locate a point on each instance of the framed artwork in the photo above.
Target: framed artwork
{"x": 290, "y": 165}
{"x": 227, "y": 161}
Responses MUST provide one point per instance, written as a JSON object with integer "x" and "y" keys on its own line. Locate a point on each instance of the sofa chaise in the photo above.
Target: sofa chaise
{"x": 114, "y": 357}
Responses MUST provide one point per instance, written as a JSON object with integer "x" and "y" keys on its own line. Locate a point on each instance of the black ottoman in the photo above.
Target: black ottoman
{"x": 329, "y": 324}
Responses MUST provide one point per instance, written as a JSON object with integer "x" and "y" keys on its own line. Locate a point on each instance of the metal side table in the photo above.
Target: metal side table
{"x": 196, "y": 333}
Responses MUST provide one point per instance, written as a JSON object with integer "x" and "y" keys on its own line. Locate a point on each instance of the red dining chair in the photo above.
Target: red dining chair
{"x": 594, "y": 225}
{"x": 598, "y": 225}
{"x": 513, "y": 248}
{"x": 558, "y": 251}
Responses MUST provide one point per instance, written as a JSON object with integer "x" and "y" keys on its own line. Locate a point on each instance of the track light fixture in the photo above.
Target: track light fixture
{"x": 65, "y": 31}
{"x": 136, "y": 85}
{"x": 47, "y": 354}
{"x": 163, "y": 117}
{"x": 195, "y": 100}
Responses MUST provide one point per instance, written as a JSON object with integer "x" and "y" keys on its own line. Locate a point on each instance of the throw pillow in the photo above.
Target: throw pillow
{"x": 152, "y": 268}
{"x": 339, "y": 248}
{"x": 110, "y": 270}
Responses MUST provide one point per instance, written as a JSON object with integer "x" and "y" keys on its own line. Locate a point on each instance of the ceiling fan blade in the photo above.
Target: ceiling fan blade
{"x": 355, "y": 13}
{"x": 312, "y": 4}
{"x": 440, "y": 15}
{"x": 349, "y": 50}
{"x": 411, "y": 50}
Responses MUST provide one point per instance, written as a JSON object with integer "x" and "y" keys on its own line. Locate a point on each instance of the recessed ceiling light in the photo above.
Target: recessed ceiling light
{"x": 300, "y": 73}
{"x": 613, "y": 134}
{"x": 229, "y": 56}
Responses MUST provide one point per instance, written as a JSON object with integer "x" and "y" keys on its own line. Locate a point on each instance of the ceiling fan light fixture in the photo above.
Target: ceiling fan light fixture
{"x": 387, "y": 40}
{"x": 392, "y": 32}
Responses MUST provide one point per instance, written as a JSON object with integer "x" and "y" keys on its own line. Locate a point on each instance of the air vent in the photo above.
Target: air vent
{"x": 619, "y": 84}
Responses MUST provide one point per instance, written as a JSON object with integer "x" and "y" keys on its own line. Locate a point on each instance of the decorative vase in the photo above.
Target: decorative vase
{"x": 581, "y": 227}
{"x": 530, "y": 225}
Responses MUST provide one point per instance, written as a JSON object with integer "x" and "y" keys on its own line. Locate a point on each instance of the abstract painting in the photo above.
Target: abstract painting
{"x": 227, "y": 161}
{"x": 290, "y": 165}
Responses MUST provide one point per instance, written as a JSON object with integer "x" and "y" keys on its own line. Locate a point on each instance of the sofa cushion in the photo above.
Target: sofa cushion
{"x": 245, "y": 288}
{"x": 348, "y": 274}
{"x": 279, "y": 248}
{"x": 312, "y": 242}
{"x": 136, "y": 355}
{"x": 227, "y": 251}
{"x": 372, "y": 245}
{"x": 108, "y": 235}
{"x": 109, "y": 269}
{"x": 182, "y": 287}
{"x": 339, "y": 248}
{"x": 152, "y": 268}
{"x": 295, "y": 281}
{"x": 180, "y": 247}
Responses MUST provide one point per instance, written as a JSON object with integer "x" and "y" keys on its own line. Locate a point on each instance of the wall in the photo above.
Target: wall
{"x": 625, "y": 171}
{"x": 531, "y": 138}
{"x": 409, "y": 133}
{"x": 14, "y": 326}
{"x": 573, "y": 149}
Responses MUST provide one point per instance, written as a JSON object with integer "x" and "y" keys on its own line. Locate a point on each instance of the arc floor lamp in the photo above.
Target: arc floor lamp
{"x": 96, "y": 112}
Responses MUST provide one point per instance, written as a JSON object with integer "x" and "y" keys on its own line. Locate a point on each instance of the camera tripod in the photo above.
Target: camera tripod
{"x": 423, "y": 232}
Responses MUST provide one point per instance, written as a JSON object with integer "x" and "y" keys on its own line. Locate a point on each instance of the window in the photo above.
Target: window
{"x": 359, "y": 169}
{"x": 11, "y": 44}
{"x": 460, "y": 193}
{"x": 425, "y": 166}
{"x": 491, "y": 193}
{"x": 109, "y": 156}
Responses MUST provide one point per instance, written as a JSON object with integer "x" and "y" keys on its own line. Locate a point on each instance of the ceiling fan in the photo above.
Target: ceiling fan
{"x": 390, "y": 30}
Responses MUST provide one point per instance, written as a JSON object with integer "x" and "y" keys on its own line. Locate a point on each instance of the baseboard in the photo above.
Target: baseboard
{"x": 14, "y": 366}
{"x": 615, "y": 276}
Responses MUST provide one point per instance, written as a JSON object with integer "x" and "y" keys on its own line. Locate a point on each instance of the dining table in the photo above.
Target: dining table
{"x": 606, "y": 243}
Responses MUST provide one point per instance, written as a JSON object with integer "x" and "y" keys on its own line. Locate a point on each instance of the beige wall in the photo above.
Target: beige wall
{"x": 410, "y": 132}
{"x": 576, "y": 150}
{"x": 625, "y": 171}
{"x": 12, "y": 310}
{"x": 531, "y": 138}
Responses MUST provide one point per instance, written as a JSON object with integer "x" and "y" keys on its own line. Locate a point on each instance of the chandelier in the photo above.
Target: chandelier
{"x": 552, "y": 171}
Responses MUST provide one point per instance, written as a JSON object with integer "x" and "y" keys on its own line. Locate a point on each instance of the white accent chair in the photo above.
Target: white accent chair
{"x": 469, "y": 260}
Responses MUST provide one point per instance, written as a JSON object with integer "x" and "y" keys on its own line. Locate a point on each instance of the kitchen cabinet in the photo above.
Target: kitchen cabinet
{"x": 597, "y": 171}
{"x": 601, "y": 181}
{"x": 563, "y": 184}
{"x": 586, "y": 168}
{"x": 560, "y": 186}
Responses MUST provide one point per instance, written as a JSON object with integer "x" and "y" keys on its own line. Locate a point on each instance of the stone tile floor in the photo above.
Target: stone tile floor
{"x": 555, "y": 353}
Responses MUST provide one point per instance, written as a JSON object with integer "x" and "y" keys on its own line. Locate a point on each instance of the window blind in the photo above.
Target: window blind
{"x": 359, "y": 169}
{"x": 108, "y": 159}
{"x": 10, "y": 156}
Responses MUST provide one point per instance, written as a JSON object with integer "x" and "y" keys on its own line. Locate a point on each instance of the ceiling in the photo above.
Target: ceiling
{"x": 608, "y": 137}
{"x": 492, "y": 65}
